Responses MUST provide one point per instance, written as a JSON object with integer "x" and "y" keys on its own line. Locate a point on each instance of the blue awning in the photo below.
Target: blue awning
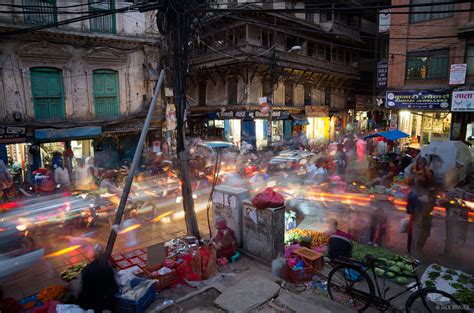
{"x": 52, "y": 134}
{"x": 390, "y": 135}
{"x": 218, "y": 144}
{"x": 299, "y": 120}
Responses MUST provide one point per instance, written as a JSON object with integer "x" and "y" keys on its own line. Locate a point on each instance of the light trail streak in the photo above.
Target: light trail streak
{"x": 159, "y": 217}
{"x": 129, "y": 229}
{"x": 63, "y": 251}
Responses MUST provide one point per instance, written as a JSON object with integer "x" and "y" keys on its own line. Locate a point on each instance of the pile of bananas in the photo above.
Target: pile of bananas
{"x": 72, "y": 272}
{"x": 317, "y": 238}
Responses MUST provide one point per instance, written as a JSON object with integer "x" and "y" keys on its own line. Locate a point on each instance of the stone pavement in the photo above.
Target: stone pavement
{"x": 245, "y": 286}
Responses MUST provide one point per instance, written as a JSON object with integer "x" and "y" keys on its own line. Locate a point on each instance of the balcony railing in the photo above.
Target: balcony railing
{"x": 39, "y": 12}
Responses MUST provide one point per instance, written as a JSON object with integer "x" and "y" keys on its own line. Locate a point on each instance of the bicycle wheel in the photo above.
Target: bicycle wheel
{"x": 429, "y": 300}
{"x": 351, "y": 286}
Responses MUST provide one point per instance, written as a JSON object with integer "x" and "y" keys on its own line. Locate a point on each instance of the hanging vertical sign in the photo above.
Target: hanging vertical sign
{"x": 393, "y": 121}
{"x": 384, "y": 21}
{"x": 382, "y": 73}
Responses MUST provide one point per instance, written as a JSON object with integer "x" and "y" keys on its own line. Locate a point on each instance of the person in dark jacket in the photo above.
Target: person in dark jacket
{"x": 98, "y": 285}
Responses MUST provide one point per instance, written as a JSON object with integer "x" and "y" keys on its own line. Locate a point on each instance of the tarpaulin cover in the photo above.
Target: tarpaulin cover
{"x": 390, "y": 135}
{"x": 450, "y": 162}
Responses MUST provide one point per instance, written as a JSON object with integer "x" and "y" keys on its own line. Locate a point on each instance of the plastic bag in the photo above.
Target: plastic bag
{"x": 268, "y": 199}
{"x": 190, "y": 268}
{"x": 403, "y": 228}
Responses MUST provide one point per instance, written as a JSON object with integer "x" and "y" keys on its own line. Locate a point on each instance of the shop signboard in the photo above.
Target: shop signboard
{"x": 382, "y": 73}
{"x": 316, "y": 111}
{"x": 244, "y": 114}
{"x": 362, "y": 102}
{"x": 463, "y": 101}
{"x": 420, "y": 100}
{"x": 171, "y": 117}
{"x": 12, "y": 134}
{"x": 384, "y": 21}
{"x": 457, "y": 75}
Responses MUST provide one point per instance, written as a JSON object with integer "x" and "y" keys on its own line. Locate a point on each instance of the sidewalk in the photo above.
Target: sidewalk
{"x": 246, "y": 286}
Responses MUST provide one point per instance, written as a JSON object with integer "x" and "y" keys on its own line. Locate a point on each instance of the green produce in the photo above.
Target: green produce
{"x": 72, "y": 272}
{"x": 394, "y": 269}
{"x": 437, "y": 267}
{"x": 379, "y": 271}
{"x": 407, "y": 272}
{"x": 463, "y": 279}
{"x": 465, "y": 296}
{"x": 447, "y": 277}
{"x": 390, "y": 275}
{"x": 433, "y": 275}
{"x": 430, "y": 283}
{"x": 391, "y": 263}
{"x": 452, "y": 272}
{"x": 457, "y": 285}
{"x": 401, "y": 280}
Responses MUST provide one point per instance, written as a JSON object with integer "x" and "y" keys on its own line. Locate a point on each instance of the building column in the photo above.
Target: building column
{"x": 459, "y": 121}
{"x": 3, "y": 153}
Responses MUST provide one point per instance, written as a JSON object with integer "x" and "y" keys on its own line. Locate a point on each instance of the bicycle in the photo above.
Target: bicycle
{"x": 349, "y": 283}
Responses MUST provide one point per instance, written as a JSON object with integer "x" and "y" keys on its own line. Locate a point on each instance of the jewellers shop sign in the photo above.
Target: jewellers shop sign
{"x": 419, "y": 100}
{"x": 241, "y": 114}
{"x": 463, "y": 101}
{"x": 12, "y": 134}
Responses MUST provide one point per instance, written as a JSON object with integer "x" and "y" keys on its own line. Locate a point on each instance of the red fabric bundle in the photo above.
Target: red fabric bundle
{"x": 268, "y": 199}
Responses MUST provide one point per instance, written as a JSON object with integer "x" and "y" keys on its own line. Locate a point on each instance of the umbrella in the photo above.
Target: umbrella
{"x": 390, "y": 135}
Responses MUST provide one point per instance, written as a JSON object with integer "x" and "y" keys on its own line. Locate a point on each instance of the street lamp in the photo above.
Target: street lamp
{"x": 273, "y": 82}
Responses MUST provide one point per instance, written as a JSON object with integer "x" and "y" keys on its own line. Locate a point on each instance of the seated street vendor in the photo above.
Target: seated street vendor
{"x": 98, "y": 284}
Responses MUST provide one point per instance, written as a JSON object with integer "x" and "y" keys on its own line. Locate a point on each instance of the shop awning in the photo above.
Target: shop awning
{"x": 299, "y": 119}
{"x": 52, "y": 134}
{"x": 390, "y": 135}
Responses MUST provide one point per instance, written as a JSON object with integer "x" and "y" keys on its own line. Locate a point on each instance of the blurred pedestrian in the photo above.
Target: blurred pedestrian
{"x": 98, "y": 285}
{"x": 378, "y": 226}
{"x": 108, "y": 182}
{"x": 361, "y": 145}
{"x": 61, "y": 175}
{"x": 340, "y": 161}
{"x": 82, "y": 176}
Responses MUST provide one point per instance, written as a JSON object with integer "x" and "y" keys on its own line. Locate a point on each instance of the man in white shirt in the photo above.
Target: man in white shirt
{"x": 82, "y": 176}
{"x": 61, "y": 176}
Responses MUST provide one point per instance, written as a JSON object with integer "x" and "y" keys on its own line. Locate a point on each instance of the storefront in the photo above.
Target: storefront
{"x": 318, "y": 123}
{"x": 424, "y": 115}
{"x": 249, "y": 126}
{"x": 462, "y": 123}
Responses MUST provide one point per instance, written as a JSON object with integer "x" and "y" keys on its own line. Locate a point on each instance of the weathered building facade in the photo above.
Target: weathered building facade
{"x": 423, "y": 47}
{"x": 306, "y": 64}
{"x": 75, "y": 82}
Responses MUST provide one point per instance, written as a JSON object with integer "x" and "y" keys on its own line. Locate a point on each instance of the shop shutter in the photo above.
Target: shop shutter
{"x": 106, "y": 100}
{"x": 48, "y": 93}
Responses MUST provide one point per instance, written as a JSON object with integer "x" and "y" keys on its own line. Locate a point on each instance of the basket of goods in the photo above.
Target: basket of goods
{"x": 308, "y": 238}
{"x": 164, "y": 276}
{"x": 315, "y": 259}
{"x": 300, "y": 272}
{"x": 137, "y": 298}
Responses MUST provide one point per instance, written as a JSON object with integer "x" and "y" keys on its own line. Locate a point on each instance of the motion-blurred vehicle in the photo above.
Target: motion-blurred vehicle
{"x": 291, "y": 161}
{"x": 14, "y": 239}
{"x": 17, "y": 251}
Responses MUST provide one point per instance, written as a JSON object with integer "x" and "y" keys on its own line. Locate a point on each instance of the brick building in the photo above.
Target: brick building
{"x": 423, "y": 45}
